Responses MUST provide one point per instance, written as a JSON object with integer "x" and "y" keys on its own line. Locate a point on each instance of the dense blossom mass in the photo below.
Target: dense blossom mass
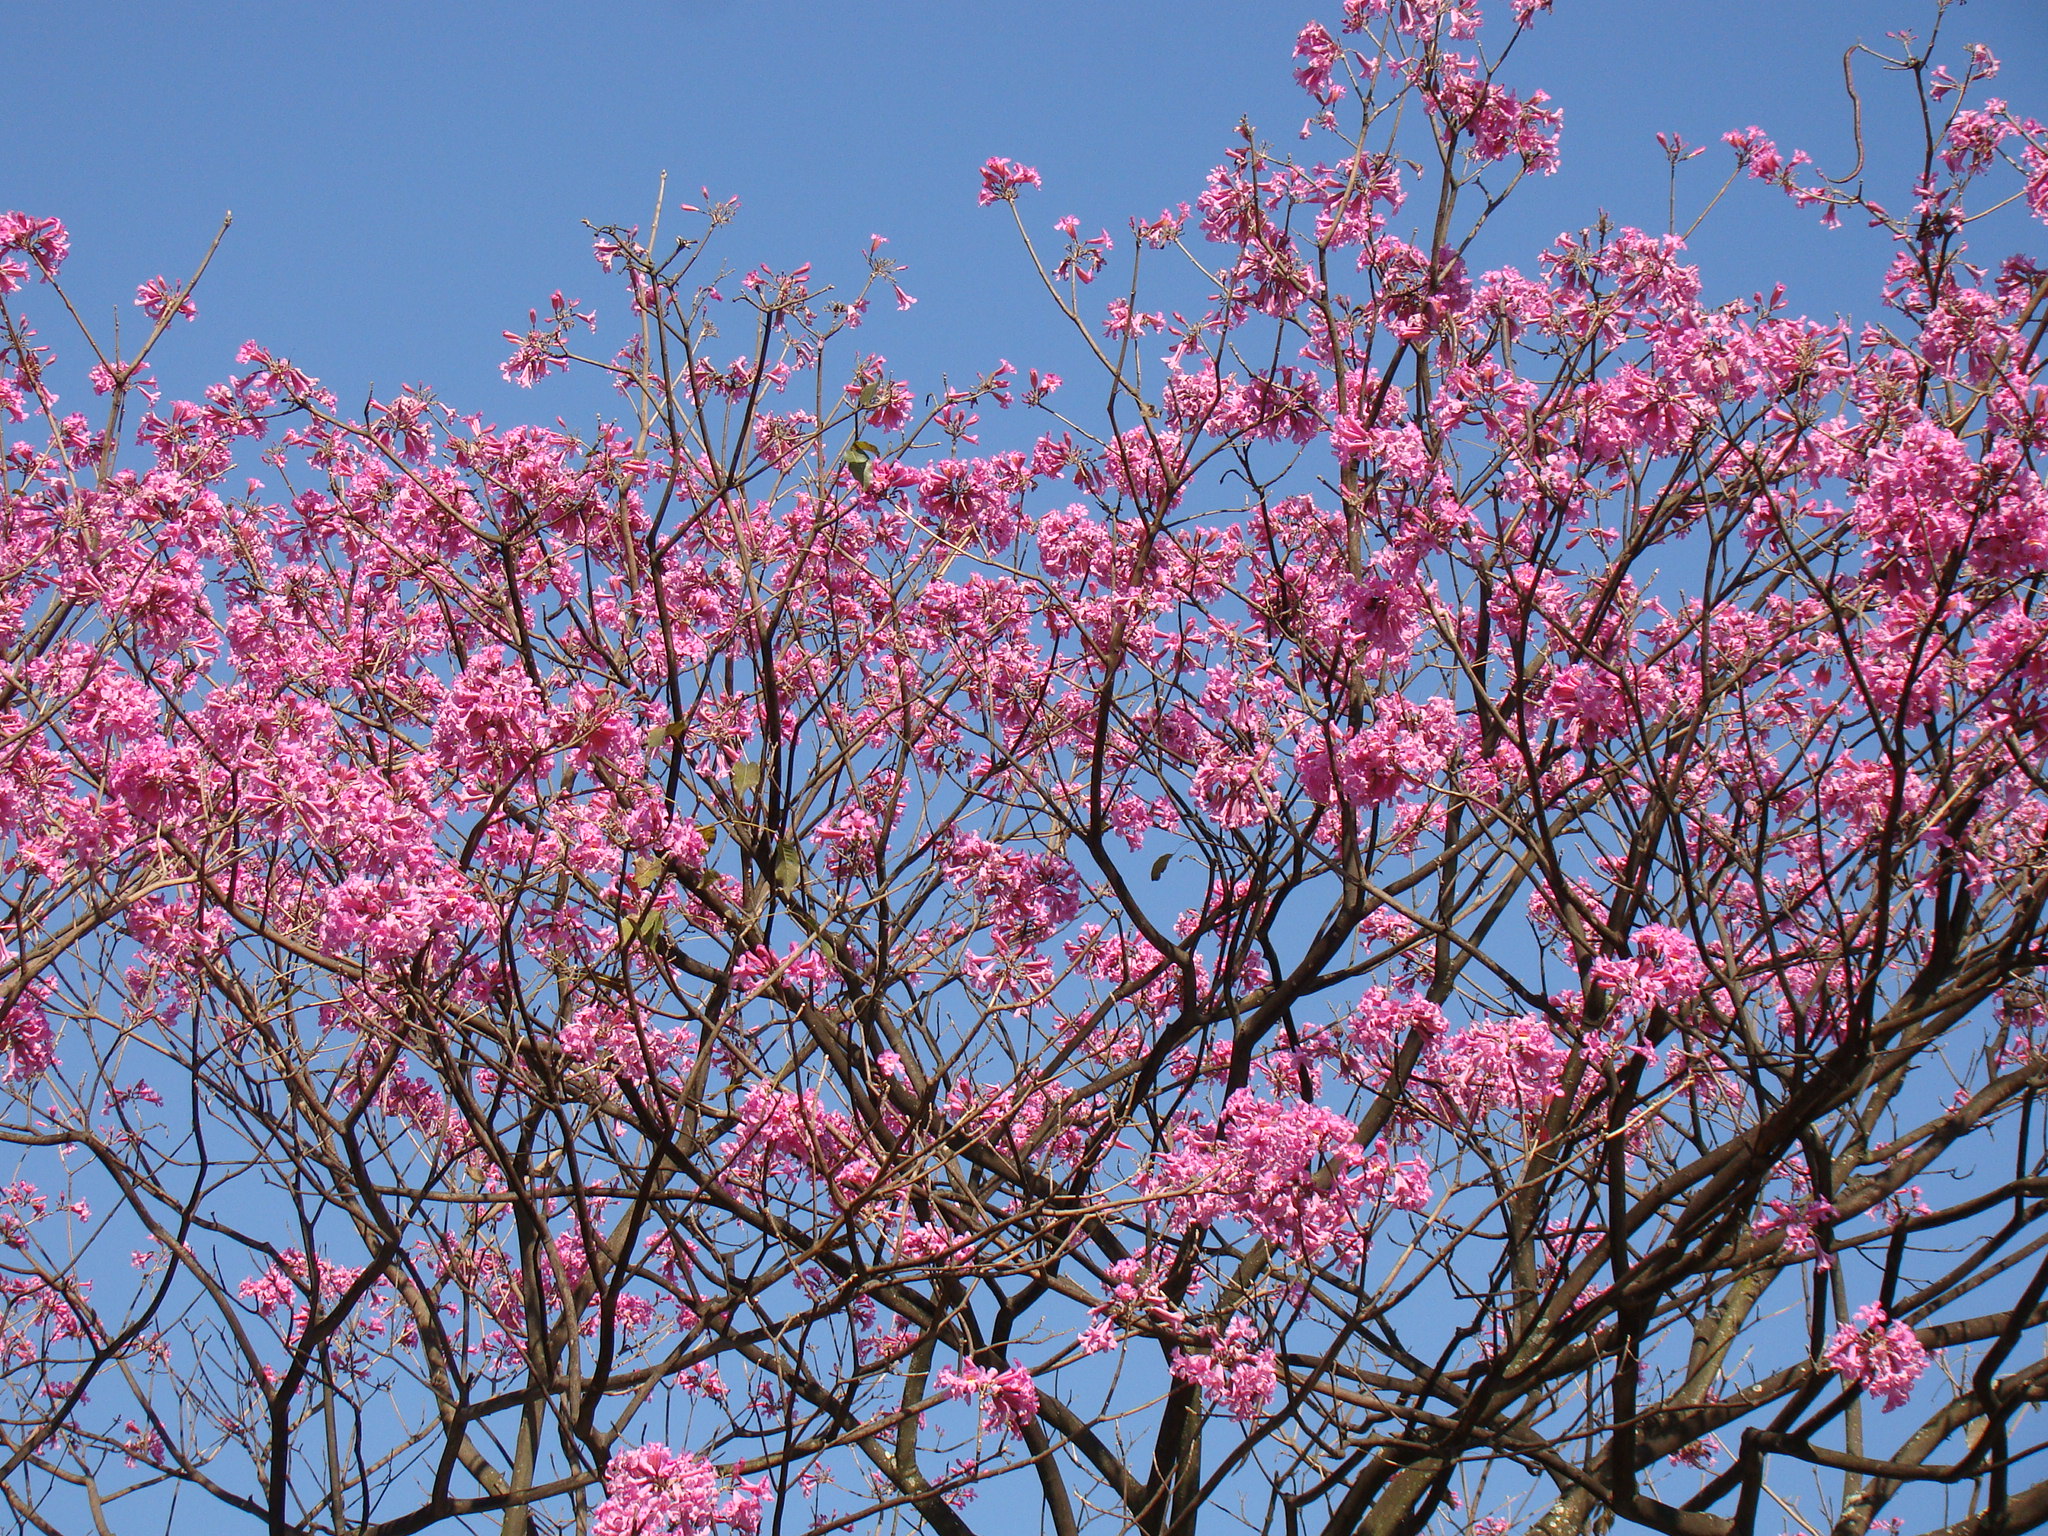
{"x": 1425, "y": 916}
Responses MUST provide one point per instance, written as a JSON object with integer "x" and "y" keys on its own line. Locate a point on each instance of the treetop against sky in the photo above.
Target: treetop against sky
{"x": 406, "y": 182}
{"x": 1396, "y": 883}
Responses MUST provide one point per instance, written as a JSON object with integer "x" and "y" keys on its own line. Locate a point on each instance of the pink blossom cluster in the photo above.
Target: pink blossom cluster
{"x": 1497, "y": 1066}
{"x": 1028, "y": 896}
{"x": 785, "y": 1134}
{"x": 1666, "y": 969}
{"x": 1135, "y": 1301}
{"x": 653, "y": 1491}
{"x": 1798, "y": 1221}
{"x": 1878, "y": 1353}
{"x": 1293, "y": 1172}
{"x": 1407, "y": 746}
{"x": 1233, "y": 1373}
{"x": 1008, "y": 1398}
{"x": 1001, "y": 178}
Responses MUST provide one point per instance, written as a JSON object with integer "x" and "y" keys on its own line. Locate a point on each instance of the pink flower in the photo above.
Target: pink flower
{"x": 1667, "y": 969}
{"x": 650, "y": 1491}
{"x": 1884, "y": 1356}
{"x": 542, "y": 350}
{"x": 1797, "y": 1221}
{"x": 1098, "y": 1337}
{"x": 1755, "y": 152}
{"x": 1001, "y": 178}
{"x": 157, "y": 295}
{"x": 492, "y": 724}
{"x": 1512, "y": 1065}
{"x": 43, "y": 241}
{"x": 1084, "y": 259}
{"x": 1407, "y": 744}
{"x": 292, "y": 1283}
{"x": 1320, "y": 53}
{"x": 1147, "y": 465}
{"x": 2035, "y": 160}
{"x": 1009, "y": 1400}
{"x": 1233, "y": 1374}
{"x": 608, "y": 1038}
{"x": 1260, "y": 1165}
{"x": 1235, "y": 790}
{"x": 25, "y": 1034}
{"x": 1012, "y": 1400}
{"x": 1161, "y": 232}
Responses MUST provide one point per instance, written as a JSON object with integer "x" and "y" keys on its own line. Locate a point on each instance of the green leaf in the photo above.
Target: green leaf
{"x": 645, "y": 927}
{"x": 789, "y": 866}
{"x": 860, "y": 460}
{"x": 647, "y": 872}
{"x": 1159, "y": 865}
{"x": 746, "y": 776}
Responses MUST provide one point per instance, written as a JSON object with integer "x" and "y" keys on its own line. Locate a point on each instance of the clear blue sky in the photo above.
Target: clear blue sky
{"x": 408, "y": 178}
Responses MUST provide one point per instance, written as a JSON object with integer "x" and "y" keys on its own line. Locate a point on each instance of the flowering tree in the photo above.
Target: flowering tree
{"x": 1427, "y": 920}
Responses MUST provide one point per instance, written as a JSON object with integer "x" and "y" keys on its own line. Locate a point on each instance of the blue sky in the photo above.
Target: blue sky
{"x": 407, "y": 179}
